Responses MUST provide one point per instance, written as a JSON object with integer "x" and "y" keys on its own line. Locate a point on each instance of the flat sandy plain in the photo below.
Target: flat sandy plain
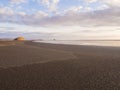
{"x": 41, "y": 66}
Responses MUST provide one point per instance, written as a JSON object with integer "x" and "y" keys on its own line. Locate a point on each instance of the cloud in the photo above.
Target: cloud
{"x": 115, "y": 3}
{"x": 73, "y": 9}
{"x": 18, "y": 1}
{"x": 103, "y": 16}
{"x": 6, "y": 11}
{"x": 74, "y": 21}
{"x": 51, "y": 4}
{"x": 107, "y": 17}
{"x": 22, "y": 14}
{"x": 7, "y": 28}
{"x": 102, "y": 7}
{"x": 91, "y": 1}
{"x": 111, "y": 3}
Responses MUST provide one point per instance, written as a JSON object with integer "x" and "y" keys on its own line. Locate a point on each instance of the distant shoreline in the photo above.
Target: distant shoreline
{"x": 109, "y": 43}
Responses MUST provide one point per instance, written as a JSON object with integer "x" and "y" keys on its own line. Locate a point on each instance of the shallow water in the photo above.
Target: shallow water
{"x": 85, "y": 42}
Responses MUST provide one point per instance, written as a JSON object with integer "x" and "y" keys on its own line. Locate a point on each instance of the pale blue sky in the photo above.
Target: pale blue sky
{"x": 60, "y": 19}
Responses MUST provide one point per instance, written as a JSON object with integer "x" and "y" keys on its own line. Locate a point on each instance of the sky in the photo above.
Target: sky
{"x": 60, "y": 19}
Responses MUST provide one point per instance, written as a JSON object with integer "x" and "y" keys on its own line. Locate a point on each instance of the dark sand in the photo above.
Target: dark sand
{"x": 38, "y": 66}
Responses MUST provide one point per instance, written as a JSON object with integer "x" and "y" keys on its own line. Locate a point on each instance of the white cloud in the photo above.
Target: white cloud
{"x": 72, "y": 16}
{"x": 18, "y": 1}
{"x": 112, "y": 2}
{"x": 77, "y": 20}
{"x": 90, "y": 1}
{"x": 40, "y": 14}
{"x": 22, "y": 14}
{"x": 6, "y": 11}
{"x": 74, "y": 9}
{"x": 46, "y": 2}
{"x": 52, "y": 5}
{"x": 115, "y": 3}
{"x": 102, "y": 7}
{"x": 107, "y": 17}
